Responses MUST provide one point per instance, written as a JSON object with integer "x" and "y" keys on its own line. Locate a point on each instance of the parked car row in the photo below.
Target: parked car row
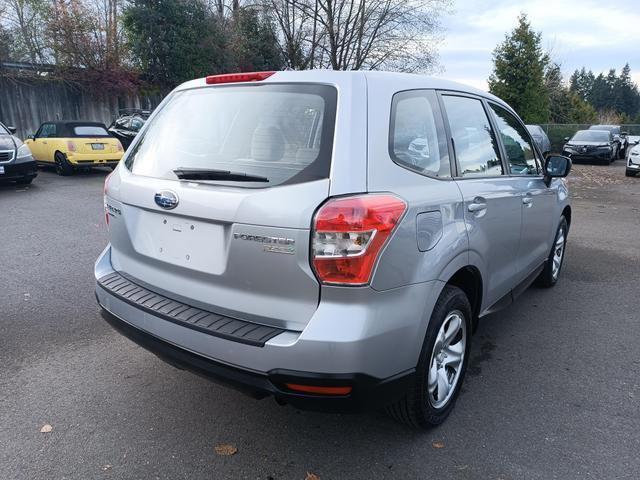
{"x": 67, "y": 145}
{"x": 601, "y": 143}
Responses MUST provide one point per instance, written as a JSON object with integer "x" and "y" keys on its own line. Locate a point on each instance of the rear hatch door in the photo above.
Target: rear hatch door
{"x": 232, "y": 234}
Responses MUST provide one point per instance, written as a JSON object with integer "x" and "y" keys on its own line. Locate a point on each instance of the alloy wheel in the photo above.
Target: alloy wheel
{"x": 447, "y": 359}
{"x": 558, "y": 253}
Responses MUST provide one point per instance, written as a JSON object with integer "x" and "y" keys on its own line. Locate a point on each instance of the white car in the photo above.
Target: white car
{"x": 633, "y": 156}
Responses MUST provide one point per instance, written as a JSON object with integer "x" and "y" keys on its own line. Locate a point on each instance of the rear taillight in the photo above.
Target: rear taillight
{"x": 348, "y": 235}
{"x": 119, "y": 146}
{"x": 238, "y": 77}
{"x": 71, "y": 146}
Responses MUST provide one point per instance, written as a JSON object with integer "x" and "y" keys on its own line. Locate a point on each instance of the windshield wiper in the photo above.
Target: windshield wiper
{"x": 208, "y": 174}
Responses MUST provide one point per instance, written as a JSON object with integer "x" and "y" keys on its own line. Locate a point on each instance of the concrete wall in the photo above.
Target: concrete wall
{"x": 25, "y": 104}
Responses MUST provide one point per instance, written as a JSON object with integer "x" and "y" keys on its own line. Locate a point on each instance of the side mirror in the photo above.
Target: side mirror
{"x": 12, "y": 130}
{"x": 566, "y": 139}
{"x": 556, "y": 166}
{"x": 624, "y": 134}
{"x": 636, "y": 142}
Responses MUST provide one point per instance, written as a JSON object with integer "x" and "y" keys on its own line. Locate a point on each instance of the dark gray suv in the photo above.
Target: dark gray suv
{"x": 328, "y": 238}
{"x": 16, "y": 163}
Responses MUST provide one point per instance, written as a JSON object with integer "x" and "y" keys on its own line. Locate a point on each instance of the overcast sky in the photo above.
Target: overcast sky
{"x": 599, "y": 34}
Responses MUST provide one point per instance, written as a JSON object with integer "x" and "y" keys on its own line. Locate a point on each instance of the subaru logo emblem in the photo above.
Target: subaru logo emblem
{"x": 166, "y": 199}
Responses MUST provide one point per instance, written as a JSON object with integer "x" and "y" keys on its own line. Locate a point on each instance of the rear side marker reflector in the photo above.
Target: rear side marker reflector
{"x": 319, "y": 390}
{"x": 238, "y": 77}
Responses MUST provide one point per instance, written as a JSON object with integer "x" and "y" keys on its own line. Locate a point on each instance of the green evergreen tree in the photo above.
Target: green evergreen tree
{"x": 600, "y": 95}
{"x": 566, "y": 104}
{"x": 610, "y": 93}
{"x": 173, "y": 40}
{"x": 518, "y": 73}
{"x": 255, "y": 45}
{"x": 581, "y": 82}
{"x": 628, "y": 96}
{"x": 5, "y": 44}
{"x": 178, "y": 40}
{"x": 580, "y": 111}
{"x": 559, "y": 96}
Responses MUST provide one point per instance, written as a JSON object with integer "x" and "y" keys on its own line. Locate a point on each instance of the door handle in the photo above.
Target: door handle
{"x": 527, "y": 201}
{"x": 476, "y": 207}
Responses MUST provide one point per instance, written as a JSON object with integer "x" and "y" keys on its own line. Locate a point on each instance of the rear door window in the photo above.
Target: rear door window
{"x": 281, "y": 132}
{"x": 517, "y": 144}
{"x": 473, "y": 138}
{"x": 417, "y": 138}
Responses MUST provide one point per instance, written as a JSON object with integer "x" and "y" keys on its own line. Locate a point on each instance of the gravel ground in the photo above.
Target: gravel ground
{"x": 553, "y": 389}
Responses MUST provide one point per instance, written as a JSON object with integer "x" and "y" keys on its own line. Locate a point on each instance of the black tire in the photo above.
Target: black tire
{"x": 415, "y": 408}
{"x": 63, "y": 167}
{"x": 24, "y": 181}
{"x": 547, "y": 279}
{"x": 629, "y": 173}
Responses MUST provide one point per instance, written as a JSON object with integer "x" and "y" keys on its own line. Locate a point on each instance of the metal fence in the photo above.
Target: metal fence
{"x": 558, "y": 132}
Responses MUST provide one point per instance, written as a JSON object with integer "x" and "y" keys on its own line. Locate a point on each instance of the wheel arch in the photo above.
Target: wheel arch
{"x": 469, "y": 280}
{"x": 566, "y": 213}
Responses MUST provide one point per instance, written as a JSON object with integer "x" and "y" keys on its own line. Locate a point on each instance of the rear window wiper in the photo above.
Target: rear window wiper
{"x": 208, "y": 174}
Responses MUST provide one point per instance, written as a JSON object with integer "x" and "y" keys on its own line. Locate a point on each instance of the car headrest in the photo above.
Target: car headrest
{"x": 267, "y": 144}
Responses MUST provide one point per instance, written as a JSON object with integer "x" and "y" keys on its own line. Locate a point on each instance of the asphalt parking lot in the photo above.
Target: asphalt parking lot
{"x": 553, "y": 389}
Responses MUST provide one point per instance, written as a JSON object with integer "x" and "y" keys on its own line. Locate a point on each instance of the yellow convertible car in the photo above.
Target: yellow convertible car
{"x": 73, "y": 145}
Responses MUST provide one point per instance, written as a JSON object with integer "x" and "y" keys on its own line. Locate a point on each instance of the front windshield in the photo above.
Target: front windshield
{"x": 281, "y": 132}
{"x": 3, "y": 131}
{"x": 591, "y": 136}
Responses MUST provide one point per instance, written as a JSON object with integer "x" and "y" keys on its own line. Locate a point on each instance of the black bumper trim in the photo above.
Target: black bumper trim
{"x": 18, "y": 171}
{"x": 368, "y": 392}
{"x": 186, "y": 315}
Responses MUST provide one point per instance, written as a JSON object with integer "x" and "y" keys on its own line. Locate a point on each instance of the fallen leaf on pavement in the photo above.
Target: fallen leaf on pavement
{"x": 311, "y": 476}
{"x": 437, "y": 444}
{"x": 46, "y": 428}
{"x": 225, "y": 450}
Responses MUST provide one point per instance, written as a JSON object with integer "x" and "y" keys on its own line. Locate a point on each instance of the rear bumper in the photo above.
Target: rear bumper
{"x": 368, "y": 392}
{"x": 94, "y": 162}
{"x": 18, "y": 171}
{"x": 369, "y": 341}
{"x": 587, "y": 157}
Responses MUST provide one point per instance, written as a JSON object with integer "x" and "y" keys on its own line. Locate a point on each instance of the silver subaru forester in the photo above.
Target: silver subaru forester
{"x": 328, "y": 238}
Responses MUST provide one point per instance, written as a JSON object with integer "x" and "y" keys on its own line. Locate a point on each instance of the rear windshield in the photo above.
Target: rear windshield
{"x": 591, "y": 136}
{"x": 90, "y": 131}
{"x": 608, "y": 128}
{"x": 283, "y": 133}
